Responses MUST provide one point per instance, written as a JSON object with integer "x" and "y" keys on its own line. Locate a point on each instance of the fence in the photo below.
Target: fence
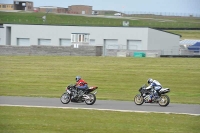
{"x": 192, "y": 50}
{"x": 130, "y": 53}
{"x": 152, "y": 53}
{"x": 134, "y": 13}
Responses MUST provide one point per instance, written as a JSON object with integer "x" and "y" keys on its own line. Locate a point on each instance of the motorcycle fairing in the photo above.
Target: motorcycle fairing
{"x": 164, "y": 90}
{"x": 93, "y": 88}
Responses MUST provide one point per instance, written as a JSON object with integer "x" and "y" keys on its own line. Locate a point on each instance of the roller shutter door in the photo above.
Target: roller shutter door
{"x": 65, "y": 42}
{"x": 44, "y": 42}
{"x": 23, "y": 41}
{"x": 134, "y": 44}
{"x": 111, "y": 44}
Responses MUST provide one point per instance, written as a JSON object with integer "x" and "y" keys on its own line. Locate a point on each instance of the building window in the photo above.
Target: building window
{"x": 4, "y": 6}
{"x": 80, "y": 37}
{"x": 0, "y": 6}
{"x": 92, "y": 41}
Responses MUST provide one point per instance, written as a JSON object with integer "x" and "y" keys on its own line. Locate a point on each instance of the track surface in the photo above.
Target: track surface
{"x": 125, "y": 106}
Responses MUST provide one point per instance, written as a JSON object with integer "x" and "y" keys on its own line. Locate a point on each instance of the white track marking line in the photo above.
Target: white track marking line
{"x": 29, "y": 106}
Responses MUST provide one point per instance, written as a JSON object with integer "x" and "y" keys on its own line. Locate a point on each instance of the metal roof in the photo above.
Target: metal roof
{"x": 188, "y": 42}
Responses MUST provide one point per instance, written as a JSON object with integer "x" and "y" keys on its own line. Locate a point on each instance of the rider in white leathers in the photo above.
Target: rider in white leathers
{"x": 154, "y": 84}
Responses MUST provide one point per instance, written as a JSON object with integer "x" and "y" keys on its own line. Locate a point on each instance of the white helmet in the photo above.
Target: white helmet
{"x": 150, "y": 80}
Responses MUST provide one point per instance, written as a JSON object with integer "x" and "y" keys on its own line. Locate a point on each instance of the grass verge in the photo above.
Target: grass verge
{"x": 42, "y": 120}
{"x": 187, "y": 34}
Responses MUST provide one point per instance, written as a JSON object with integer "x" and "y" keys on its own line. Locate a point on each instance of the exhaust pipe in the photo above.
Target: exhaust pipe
{"x": 95, "y": 93}
{"x": 86, "y": 96}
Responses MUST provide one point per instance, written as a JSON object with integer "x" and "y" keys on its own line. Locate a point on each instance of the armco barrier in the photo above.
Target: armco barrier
{"x": 181, "y": 56}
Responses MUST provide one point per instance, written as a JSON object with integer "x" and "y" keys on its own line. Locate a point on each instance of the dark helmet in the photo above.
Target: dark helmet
{"x": 77, "y": 78}
{"x": 150, "y": 80}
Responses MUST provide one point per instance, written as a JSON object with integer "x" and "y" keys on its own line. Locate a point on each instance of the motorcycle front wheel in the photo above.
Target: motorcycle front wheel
{"x": 164, "y": 100}
{"x": 138, "y": 99}
{"x": 91, "y": 99}
{"x": 65, "y": 98}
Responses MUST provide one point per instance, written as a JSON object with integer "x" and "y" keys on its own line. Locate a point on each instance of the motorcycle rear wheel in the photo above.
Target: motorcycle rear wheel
{"x": 91, "y": 100}
{"x": 65, "y": 98}
{"x": 164, "y": 100}
{"x": 138, "y": 99}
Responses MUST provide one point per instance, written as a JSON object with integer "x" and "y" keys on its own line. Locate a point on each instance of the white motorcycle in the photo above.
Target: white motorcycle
{"x": 148, "y": 96}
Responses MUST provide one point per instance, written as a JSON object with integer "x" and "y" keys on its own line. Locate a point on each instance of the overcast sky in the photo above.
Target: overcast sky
{"x": 168, "y": 6}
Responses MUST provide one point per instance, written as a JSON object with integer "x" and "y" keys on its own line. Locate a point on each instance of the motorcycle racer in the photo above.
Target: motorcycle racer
{"x": 154, "y": 84}
{"x": 80, "y": 83}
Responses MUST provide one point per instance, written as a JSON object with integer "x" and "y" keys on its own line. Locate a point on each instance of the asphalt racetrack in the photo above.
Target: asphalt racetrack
{"x": 122, "y": 106}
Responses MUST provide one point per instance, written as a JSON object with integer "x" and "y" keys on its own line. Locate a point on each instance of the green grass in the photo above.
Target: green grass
{"x": 41, "y": 120}
{"x": 187, "y": 34}
{"x": 117, "y": 78}
{"x": 60, "y": 19}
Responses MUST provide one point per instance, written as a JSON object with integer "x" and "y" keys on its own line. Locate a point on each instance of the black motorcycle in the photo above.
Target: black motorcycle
{"x": 75, "y": 95}
{"x": 148, "y": 96}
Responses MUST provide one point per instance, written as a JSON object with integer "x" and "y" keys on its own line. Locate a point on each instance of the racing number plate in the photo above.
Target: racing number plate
{"x": 68, "y": 91}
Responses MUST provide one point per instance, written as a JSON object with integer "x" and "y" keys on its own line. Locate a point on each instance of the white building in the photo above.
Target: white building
{"x": 127, "y": 38}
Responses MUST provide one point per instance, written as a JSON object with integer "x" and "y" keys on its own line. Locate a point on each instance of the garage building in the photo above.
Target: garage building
{"x": 110, "y": 38}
